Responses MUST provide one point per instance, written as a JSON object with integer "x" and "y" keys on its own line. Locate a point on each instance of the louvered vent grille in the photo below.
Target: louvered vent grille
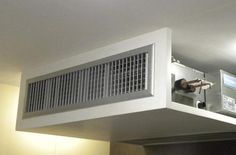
{"x": 127, "y": 75}
{"x": 90, "y": 85}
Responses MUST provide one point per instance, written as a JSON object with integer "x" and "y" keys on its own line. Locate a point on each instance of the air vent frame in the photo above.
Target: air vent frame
{"x": 148, "y": 50}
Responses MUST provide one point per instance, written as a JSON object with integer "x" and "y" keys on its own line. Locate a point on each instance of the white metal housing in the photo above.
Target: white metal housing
{"x": 139, "y": 118}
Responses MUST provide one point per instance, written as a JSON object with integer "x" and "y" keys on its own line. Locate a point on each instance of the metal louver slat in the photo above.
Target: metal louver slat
{"x": 33, "y": 99}
{"x": 73, "y": 95}
{"x": 37, "y": 97}
{"x": 86, "y": 78}
{"x": 55, "y": 84}
{"x": 110, "y": 79}
{"x": 29, "y": 97}
{"x": 80, "y": 87}
{"x": 130, "y": 71}
{"x": 48, "y": 93}
{"x": 93, "y": 84}
{"x": 66, "y": 90}
{"x": 69, "y": 89}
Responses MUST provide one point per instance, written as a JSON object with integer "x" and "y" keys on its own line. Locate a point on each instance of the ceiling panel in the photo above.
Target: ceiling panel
{"x": 36, "y": 32}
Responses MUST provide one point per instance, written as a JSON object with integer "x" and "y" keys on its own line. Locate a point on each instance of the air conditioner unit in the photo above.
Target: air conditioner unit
{"x": 222, "y": 97}
{"x": 119, "y": 92}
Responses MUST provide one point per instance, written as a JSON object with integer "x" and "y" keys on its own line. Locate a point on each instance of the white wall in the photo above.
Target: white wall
{"x": 21, "y": 143}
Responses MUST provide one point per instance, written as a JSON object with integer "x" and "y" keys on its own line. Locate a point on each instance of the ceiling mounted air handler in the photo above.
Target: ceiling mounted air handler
{"x": 121, "y": 92}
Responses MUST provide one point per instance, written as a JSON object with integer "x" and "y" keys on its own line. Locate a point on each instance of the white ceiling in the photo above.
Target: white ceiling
{"x": 36, "y": 32}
